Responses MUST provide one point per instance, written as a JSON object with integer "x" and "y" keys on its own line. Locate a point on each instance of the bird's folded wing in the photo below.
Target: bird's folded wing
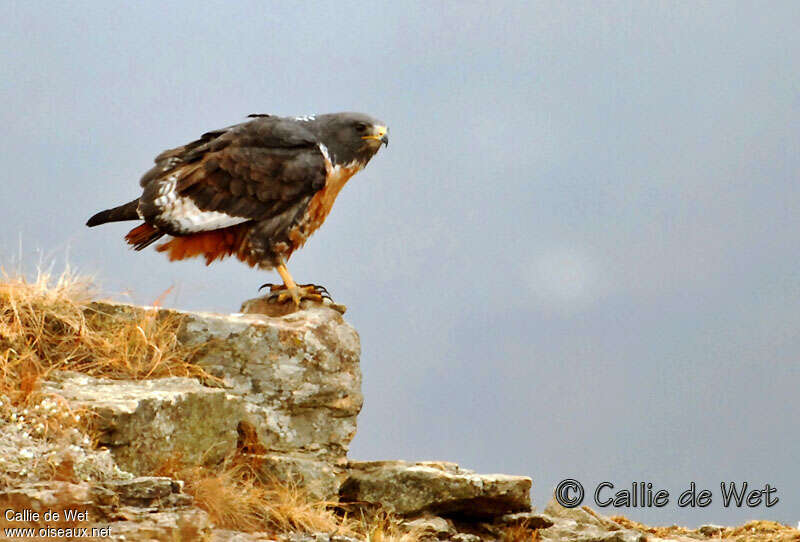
{"x": 247, "y": 172}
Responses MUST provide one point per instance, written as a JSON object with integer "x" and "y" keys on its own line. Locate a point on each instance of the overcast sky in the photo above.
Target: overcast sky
{"x": 577, "y": 258}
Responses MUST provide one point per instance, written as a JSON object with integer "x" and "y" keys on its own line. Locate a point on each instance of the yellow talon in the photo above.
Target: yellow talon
{"x": 290, "y": 289}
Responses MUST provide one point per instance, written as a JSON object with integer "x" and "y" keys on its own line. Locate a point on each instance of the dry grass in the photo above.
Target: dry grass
{"x": 753, "y": 530}
{"x": 520, "y": 533}
{"x": 46, "y": 325}
{"x": 381, "y": 526}
{"x": 235, "y": 497}
{"x": 657, "y": 531}
{"x": 763, "y": 530}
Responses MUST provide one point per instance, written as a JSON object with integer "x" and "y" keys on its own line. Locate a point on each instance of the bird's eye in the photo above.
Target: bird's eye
{"x": 361, "y": 127}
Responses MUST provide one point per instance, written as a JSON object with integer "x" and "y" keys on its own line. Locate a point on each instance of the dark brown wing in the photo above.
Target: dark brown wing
{"x": 263, "y": 170}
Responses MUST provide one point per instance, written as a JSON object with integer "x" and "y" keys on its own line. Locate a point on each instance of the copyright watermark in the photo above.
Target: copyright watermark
{"x": 570, "y": 493}
{"x": 64, "y": 523}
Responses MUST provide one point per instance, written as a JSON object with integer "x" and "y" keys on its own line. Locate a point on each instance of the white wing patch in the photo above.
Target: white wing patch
{"x": 185, "y": 215}
{"x": 306, "y": 118}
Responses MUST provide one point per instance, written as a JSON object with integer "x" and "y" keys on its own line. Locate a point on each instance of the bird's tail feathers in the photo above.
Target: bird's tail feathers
{"x": 143, "y": 236}
{"x": 117, "y": 214}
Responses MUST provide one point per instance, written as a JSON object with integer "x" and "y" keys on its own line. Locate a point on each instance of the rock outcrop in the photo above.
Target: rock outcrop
{"x": 436, "y": 488}
{"x": 144, "y": 508}
{"x": 290, "y": 386}
{"x": 583, "y": 525}
{"x": 299, "y": 374}
{"x": 281, "y": 393}
{"x": 148, "y": 422}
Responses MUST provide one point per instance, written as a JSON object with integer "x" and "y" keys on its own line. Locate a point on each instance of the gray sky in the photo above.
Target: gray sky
{"x": 577, "y": 258}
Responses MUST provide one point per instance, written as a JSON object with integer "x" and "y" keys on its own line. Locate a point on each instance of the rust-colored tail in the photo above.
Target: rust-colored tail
{"x": 143, "y": 236}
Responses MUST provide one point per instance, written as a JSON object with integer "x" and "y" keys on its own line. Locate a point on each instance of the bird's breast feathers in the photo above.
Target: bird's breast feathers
{"x": 336, "y": 176}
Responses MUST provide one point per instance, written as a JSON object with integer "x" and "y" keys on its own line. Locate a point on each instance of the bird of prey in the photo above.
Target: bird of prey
{"x": 256, "y": 190}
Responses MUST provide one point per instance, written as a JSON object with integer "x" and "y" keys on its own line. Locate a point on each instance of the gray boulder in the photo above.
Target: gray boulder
{"x": 438, "y": 488}
{"x": 148, "y": 422}
{"x": 584, "y": 525}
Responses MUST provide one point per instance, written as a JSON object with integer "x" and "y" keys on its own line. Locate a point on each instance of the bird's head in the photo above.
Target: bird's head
{"x": 351, "y": 137}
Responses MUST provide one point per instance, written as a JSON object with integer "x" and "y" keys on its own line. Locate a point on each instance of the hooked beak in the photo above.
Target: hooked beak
{"x": 380, "y": 133}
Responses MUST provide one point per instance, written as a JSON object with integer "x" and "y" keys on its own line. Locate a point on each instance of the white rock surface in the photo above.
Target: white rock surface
{"x": 298, "y": 374}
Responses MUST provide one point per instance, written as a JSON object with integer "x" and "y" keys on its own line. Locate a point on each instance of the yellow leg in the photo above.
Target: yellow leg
{"x": 293, "y": 290}
{"x": 289, "y": 282}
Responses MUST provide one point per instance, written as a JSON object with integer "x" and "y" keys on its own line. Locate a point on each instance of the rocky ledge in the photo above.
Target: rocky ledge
{"x": 283, "y": 390}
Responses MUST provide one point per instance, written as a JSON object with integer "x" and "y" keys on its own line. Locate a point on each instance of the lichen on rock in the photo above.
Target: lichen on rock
{"x": 298, "y": 375}
{"x": 146, "y": 422}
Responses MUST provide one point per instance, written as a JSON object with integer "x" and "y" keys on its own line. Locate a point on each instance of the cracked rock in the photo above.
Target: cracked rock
{"x": 147, "y": 422}
{"x": 298, "y": 374}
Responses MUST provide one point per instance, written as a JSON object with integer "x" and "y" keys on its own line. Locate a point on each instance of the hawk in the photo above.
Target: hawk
{"x": 256, "y": 190}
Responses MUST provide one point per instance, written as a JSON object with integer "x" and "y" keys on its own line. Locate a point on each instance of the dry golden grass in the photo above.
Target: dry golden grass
{"x": 235, "y": 497}
{"x": 762, "y": 530}
{"x": 658, "y": 531}
{"x": 381, "y": 526}
{"x": 46, "y": 324}
{"x": 753, "y": 530}
{"x": 520, "y": 533}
